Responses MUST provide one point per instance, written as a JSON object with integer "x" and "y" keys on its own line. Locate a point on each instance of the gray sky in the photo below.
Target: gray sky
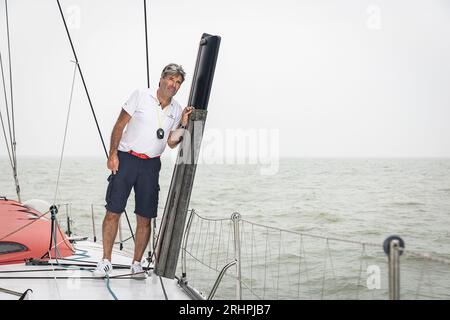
{"x": 330, "y": 78}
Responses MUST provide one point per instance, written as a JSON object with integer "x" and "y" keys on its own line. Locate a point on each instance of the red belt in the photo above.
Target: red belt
{"x": 141, "y": 155}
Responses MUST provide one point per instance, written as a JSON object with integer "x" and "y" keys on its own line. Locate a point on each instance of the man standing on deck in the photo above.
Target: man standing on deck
{"x": 152, "y": 119}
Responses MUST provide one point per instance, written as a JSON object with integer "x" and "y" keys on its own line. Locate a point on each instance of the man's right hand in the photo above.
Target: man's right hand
{"x": 113, "y": 163}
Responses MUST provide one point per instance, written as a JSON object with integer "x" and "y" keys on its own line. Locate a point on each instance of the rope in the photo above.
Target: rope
{"x": 65, "y": 130}
{"x": 109, "y": 288}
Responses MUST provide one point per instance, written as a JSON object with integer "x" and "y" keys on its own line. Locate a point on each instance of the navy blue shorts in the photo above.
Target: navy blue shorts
{"x": 137, "y": 173}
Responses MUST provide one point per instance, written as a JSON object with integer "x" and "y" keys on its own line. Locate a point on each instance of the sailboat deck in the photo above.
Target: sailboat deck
{"x": 71, "y": 278}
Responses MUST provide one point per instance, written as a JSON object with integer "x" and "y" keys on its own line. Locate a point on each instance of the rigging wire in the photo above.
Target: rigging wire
{"x": 6, "y": 141}
{"x": 54, "y": 275}
{"x": 7, "y": 112}
{"x": 148, "y": 86}
{"x": 10, "y": 75}
{"x": 65, "y": 131}
{"x": 89, "y": 98}
{"x": 13, "y": 134}
{"x": 82, "y": 79}
{"x": 146, "y": 44}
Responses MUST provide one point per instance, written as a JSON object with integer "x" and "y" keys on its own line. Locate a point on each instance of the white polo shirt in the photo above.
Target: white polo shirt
{"x": 146, "y": 118}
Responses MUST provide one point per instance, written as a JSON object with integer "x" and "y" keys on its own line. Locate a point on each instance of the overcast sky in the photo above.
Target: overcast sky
{"x": 347, "y": 78}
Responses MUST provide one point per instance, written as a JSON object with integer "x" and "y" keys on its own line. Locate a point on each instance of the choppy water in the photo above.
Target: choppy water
{"x": 358, "y": 199}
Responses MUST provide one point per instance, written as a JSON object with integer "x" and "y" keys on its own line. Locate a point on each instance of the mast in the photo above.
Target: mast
{"x": 177, "y": 204}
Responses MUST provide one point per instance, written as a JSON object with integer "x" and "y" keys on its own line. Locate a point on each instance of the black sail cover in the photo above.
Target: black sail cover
{"x": 177, "y": 204}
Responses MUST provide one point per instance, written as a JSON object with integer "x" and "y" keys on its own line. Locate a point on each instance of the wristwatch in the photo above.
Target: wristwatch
{"x": 183, "y": 127}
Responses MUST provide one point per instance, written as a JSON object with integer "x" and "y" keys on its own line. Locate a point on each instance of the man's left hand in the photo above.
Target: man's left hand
{"x": 185, "y": 115}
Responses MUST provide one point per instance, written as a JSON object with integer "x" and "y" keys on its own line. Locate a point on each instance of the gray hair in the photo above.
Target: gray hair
{"x": 172, "y": 69}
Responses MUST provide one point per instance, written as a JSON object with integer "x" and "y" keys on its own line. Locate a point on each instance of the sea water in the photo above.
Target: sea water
{"x": 354, "y": 199}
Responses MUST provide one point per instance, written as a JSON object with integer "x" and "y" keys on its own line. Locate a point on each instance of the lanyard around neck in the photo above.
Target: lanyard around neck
{"x": 158, "y": 108}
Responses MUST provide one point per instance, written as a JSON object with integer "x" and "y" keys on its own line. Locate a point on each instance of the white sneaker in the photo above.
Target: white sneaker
{"x": 137, "y": 272}
{"x": 104, "y": 267}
